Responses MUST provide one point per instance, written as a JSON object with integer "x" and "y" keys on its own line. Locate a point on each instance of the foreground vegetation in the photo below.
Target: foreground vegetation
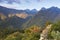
{"x": 30, "y": 33}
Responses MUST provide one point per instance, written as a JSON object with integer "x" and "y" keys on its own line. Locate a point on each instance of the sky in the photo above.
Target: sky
{"x": 29, "y": 4}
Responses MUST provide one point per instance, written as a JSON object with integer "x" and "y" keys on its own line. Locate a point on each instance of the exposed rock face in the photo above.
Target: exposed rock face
{"x": 22, "y": 15}
{"x": 45, "y": 32}
{"x": 2, "y": 16}
{"x": 11, "y": 15}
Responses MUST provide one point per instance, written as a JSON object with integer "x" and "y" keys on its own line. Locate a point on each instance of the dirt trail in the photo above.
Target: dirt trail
{"x": 45, "y": 32}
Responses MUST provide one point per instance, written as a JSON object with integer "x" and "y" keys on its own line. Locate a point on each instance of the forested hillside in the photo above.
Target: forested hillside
{"x": 26, "y": 26}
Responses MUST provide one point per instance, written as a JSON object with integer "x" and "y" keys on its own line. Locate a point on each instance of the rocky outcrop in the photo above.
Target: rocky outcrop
{"x": 45, "y": 32}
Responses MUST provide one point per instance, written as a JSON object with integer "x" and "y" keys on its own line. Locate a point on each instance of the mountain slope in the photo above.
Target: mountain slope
{"x": 43, "y": 16}
{"x": 7, "y": 11}
{"x": 14, "y": 22}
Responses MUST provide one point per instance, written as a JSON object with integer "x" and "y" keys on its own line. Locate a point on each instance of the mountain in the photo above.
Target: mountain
{"x": 26, "y": 18}
{"x": 13, "y": 17}
{"x": 7, "y": 11}
{"x": 14, "y": 22}
{"x": 33, "y": 11}
{"x": 43, "y": 16}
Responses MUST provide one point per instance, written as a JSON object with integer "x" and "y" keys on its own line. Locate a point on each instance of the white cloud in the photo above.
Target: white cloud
{"x": 14, "y": 5}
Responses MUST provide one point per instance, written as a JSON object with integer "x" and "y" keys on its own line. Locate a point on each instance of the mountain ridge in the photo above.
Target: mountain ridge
{"x": 40, "y": 19}
{"x": 8, "y": 10}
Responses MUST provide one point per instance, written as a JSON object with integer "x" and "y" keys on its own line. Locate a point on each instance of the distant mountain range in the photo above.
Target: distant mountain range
{"x": 7, "y": 11}
{"x": 15, "y": 18}
{"x": 44, "y": 15}
{"x": 26, "y": 18}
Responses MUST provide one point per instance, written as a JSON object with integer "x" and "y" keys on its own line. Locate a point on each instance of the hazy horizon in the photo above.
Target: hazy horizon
{"x": 29, "y": 4}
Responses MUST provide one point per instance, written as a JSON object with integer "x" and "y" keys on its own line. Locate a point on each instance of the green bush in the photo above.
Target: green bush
{"x": 55, "y": 35}
{"x": 14, "y": 36}
{"x": 55, "y": 32}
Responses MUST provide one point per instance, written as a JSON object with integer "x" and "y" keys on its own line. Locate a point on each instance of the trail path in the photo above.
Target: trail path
{"x": 45, "y": 32}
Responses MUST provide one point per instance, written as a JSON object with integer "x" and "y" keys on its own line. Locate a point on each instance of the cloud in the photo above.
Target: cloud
{"x": 27, "y": 1}
{"x": 18, "y": 1}
{"x": 10, "y": 1}
{"x": 1, "y": 0}
{"x": 38, "y": 0}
